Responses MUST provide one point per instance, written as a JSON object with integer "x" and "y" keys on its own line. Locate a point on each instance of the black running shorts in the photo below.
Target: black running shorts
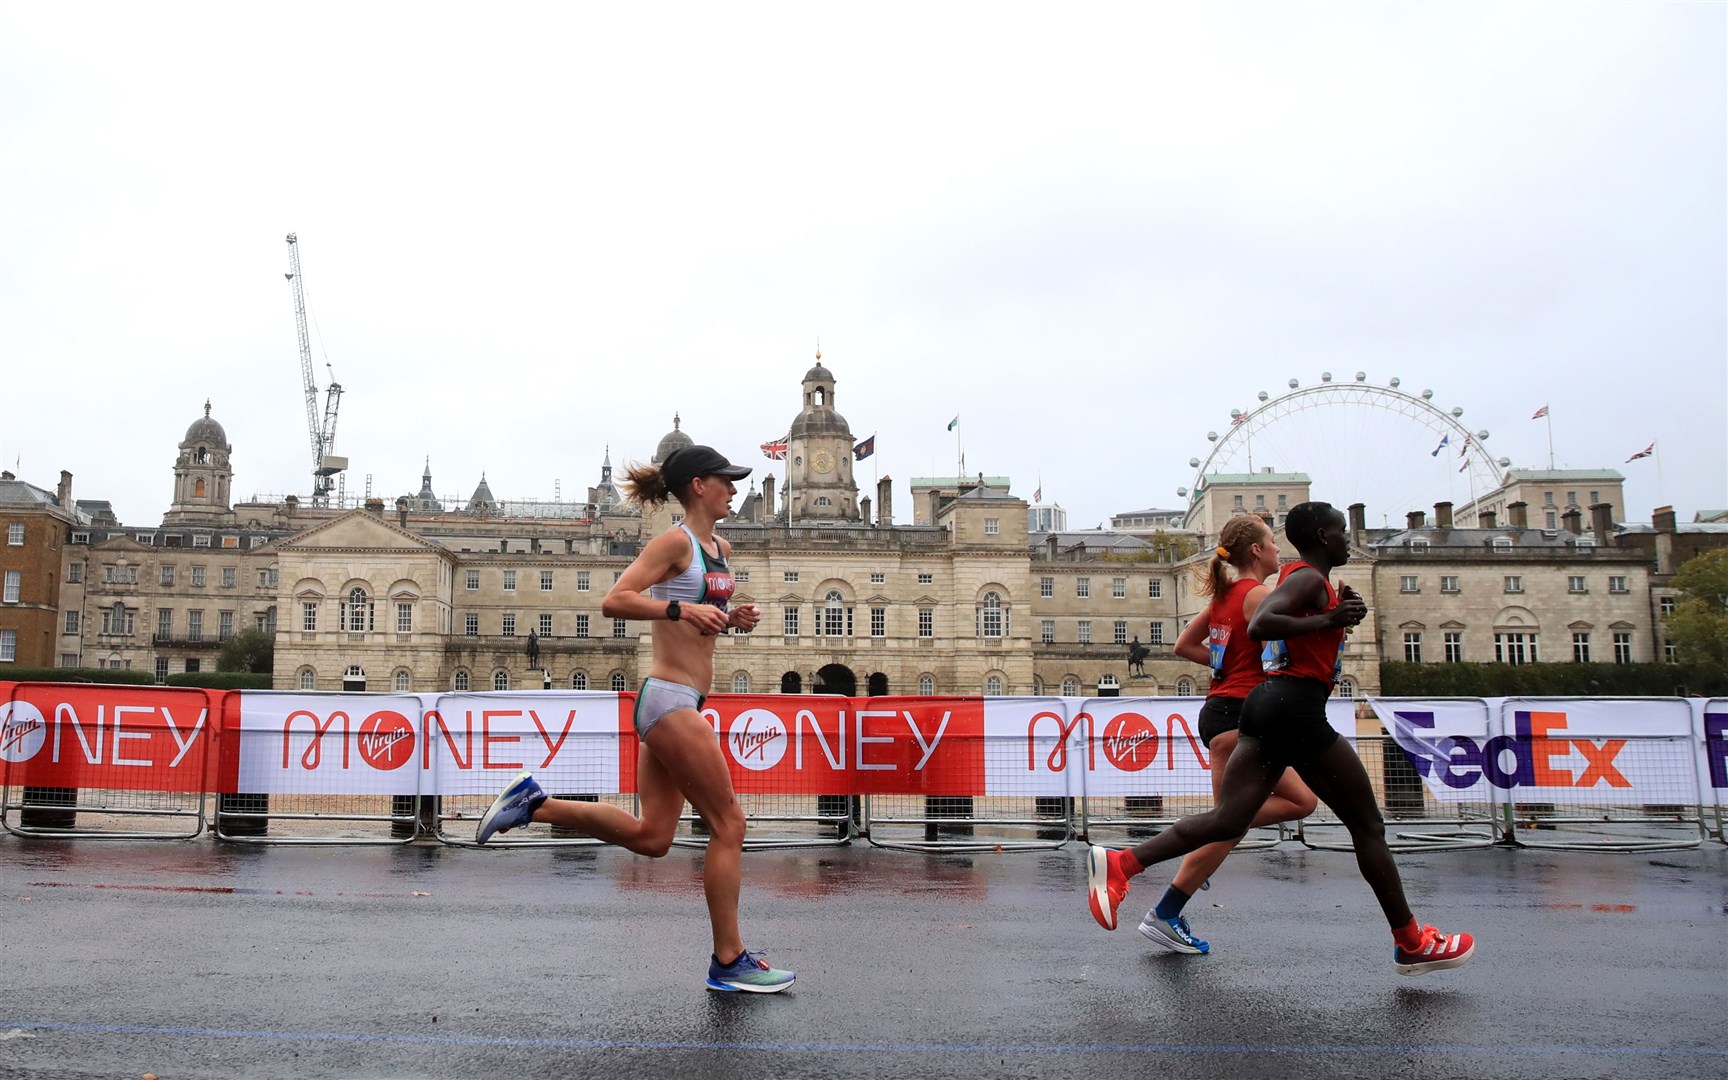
{"x": 1218, "y": 715}
{"x": 1288, "y": 715}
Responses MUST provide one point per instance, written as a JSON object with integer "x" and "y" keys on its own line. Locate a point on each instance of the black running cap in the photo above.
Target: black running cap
{"x": 688, "y": 462}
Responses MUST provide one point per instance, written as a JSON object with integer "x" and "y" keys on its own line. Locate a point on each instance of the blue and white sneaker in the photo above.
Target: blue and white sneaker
{"x": 513, "y": 807}
{"x": 1173, "y": 934}
{"x": 749, "y": 973}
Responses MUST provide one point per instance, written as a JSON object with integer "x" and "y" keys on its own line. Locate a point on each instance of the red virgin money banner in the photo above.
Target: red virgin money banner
{"x": 118, "y": 737}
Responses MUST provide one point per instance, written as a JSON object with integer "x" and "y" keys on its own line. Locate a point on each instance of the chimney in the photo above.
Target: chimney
{"x": 884, "y": 501}
{"x": 935, "y": 504}
{"x": 1573, "y": 521}
{"x": 1050, "y": 545}
{"x": 1517, "y": 516}
{"x": 1486, "y": 519}
{"x": 402, "y": 511}
{"x": 768, "y": 499}
{"x": 1663, "y": 519}
{"x": 864, "y": 509}
{"x": 290, "y": 504}
{"x": 1415, "y": 519}
{"x": 1602, "y": 523}
{"x": 1358, "y": 522}
{"x": 65, "y": 495}
{"x": 1442, "y": 515}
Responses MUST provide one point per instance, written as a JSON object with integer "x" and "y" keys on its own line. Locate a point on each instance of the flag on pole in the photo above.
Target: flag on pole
{"x": 1038, "y": 496}
{"x": 864, "y": 449}
{"x": 1465, "y": 449}
{"x": 1646, "y": 452}
{"x": 775, "y": 449}
{"x": 1444, "y": 439}
{"x": 954, "y": 423}
{"x": 1238, "y": 418}
{"x": 1540, "y": 413}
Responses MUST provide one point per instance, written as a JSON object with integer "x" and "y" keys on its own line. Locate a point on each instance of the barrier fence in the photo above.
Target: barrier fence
{"x": 916, "y": 773}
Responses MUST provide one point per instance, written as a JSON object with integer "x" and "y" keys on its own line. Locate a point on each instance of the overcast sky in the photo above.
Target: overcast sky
{"x": 530, "y": 232}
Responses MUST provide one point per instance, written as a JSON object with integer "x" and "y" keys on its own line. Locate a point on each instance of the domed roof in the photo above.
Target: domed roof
{"x": 205, "y": 430}
{"x": 672, "y": 440}
{"x": 819, "y": 373}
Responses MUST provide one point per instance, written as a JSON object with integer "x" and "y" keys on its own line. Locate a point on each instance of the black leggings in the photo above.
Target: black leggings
{"x": 1337, "y": 777}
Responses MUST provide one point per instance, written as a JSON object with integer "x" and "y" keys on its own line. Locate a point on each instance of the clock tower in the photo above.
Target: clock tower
{"x": 819, "y": 484}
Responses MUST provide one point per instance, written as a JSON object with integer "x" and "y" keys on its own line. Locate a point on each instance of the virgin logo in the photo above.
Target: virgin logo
{"x": 386, "y": 740}
{"x": 22, "y": 731}
{"x": 1130, "y": 742}
{"x": 757, "y": 739}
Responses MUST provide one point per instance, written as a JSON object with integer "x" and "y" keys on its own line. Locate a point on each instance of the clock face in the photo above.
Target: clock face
{"x": 822, "y": 461}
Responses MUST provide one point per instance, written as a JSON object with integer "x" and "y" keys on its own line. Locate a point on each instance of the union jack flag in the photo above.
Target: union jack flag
{"x": 775, "y": 449}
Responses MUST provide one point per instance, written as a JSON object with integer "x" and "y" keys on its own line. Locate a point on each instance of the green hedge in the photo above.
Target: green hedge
{"x": 222, "y": 680}
{"x": 80, "y": 674}
{"x": 1399, "y": 679}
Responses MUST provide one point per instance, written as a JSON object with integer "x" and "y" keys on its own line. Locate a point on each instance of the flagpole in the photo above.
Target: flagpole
{"x": 1660, "y": 499}
{"x": 1548, "y": 415}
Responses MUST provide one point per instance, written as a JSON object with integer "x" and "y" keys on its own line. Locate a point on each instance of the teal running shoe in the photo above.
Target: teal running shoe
{"x": 749, "y": 973}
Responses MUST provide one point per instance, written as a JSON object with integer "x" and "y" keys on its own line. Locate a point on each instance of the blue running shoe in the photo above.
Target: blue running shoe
{"x": 1173, "y": 934}
{"x": 748, "y": 973}
{"x": 513, "y": 807}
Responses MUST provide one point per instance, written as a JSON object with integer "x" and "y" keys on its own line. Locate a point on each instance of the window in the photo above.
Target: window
{"x": 1046, "y": 586}
{"x": 309, "y": 679}
{"x": 1408, "y": 583}
{"x": 1155, "y": 589}
{"x": 358, "y": 614}
{"x": 833, "y": 614}
{"x": 1070, "y": 687}
{"x": 1454, "y": 642}
{"x": 8, "y": 646}
{"x": 877, "y": 577}
{"x": 789, "y": 576}
{"x": 1669, "y": 653}
{"x": 473, "y": 580}
{"x": 1549, "y": 520}
{"x": 404, "y": 682}
{"x": 581, "y": 581}
{"x": 461, "y": 680}
{"x": 1449, "y": 583}
{"x": 1047, "y": 631}
{"x": 230, "y": 541}
{"x": 1622, "y": 646}
{"x": 1580, "y": 647}
{"x": 1184, "y": 687}
{"x": 620, "y": 628}
{"x": 823, "y": 500}
{"x": 1083, "y": 587}
{"x": 1548, "y": 498}
{"x": 926, "y": 578}
{"x": 578, "y": 680}
{"x": 1118, "y": 588}
{"x": 500, "y": 680}
{"x": 1617, "y": 584}
{"x": 1412, "y": 647}
{"x": 165, "y": 623}
{"x": 14, "y": 585}
{"x": 1083, "y": 634}
{"x": 507, "y": 624}
{"x": 75, "y": 573}
{"x": 741, "y": 577}
{"x": 71, "y": 622}
{"x": 789, "y": 621}
{"x": 545, "y": 624}
{"x": 878, "y": 622}
{"x": 1502, "y": 543}
{"x": 1281, "y": 501}
{"x": 1515, "y": 648}
{"x": 1346, "y": 688}
{"x": 471, "y": 624}
{"x": 993, "y": 686}
{"x": 161, "y": 669}
{"x": 1575, "y": 583}
{"x": 1514, "y": 583}
{"x": 198, "y": 577}
{"x": 167, "y": 573}
{"x": 267, "y": 579}
{"x": 740, "y": 682}
{"x": 1571, "y": 498}
{"x": 228, "y": 573}
{"x": 992, "y": 526}
{"x": 224, "y": 625}
{"x": 195, "y": 625}
{"x": 1595, "y": 497}
{"x": 617, "y": 682}
{"x": 1155, "y": 633}
{"x": 991, "y": 621}
{"x": 509, "y": 581}
{"x": 926, "y": 622}
{"x": 80, "y": 538}
{"x": 1119, "y": 632}
{"x": 545, "y": 581}
{"x": 1666, "y": 605}
{"x": 582, "y": 625}
{"x": 404, "y": 617}
{"x": 1237, "y": 504}
{"x": 309, "y": 615}
{"x": 926, "y": 685}
{"x": 15, "y": 534}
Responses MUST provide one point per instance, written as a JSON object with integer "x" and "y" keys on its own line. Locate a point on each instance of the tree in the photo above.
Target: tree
{"x": 1699, "y": 626}
{"x": 249, "y": 650}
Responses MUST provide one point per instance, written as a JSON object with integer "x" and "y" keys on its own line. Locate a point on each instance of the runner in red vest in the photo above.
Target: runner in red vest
{"x": 1303, "y": 622}
{"x": 1220, "y": 640}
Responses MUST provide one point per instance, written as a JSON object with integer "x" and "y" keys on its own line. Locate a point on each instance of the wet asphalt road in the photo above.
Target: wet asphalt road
{"x": 199, "y": 959}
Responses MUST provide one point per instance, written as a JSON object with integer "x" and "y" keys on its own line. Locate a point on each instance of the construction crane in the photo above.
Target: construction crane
{"x": 323, "y": 428}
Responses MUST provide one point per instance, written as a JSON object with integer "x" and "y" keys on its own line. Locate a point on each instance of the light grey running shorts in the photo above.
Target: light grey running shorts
{"x": 659, "y": 697}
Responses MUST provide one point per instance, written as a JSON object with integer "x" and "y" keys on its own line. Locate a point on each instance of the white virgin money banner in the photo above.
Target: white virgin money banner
{"x": 1026, "y": 747}
{"x": 329, "y": 743}
{"x": 475, "y": 743}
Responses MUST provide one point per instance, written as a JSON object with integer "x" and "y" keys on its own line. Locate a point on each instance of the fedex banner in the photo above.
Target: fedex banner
{"x": 119, "y": 737}
{"x": 1713, "y": 765}
{"x": 1621, "y": 752}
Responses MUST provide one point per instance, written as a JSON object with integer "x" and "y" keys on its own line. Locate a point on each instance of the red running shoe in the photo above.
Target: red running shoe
{"x": 1435, "y": 952}
{"x": 1106, "y": 884}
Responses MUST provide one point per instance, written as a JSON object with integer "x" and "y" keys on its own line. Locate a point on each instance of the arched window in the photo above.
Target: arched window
{"x": 991, "y": 621}
{"x": 993, "y": 686}
{"x": 500, "y": 680}
{"x": 617, "y": 682}
{"x": 461, "y": 682}
{"x": 578, "y": 680}
{"x": 1037, "y": 686}
{"x": 308, "y": 679}
{"x": 1070, "y": 687}
{"x": 402, "y": 680}
{"x": 1346, "y": 688}
{"x": 357, "y": 611}
{"x": 198, "y": 488}
{"x": 833, "y": 614}
{"x": 1184, "y": 687}
{"x": 741, "y": 682}
{"x": 791, "y": 683}
{"x": 926, "y": 685}
{"x": 1108, "y": 682}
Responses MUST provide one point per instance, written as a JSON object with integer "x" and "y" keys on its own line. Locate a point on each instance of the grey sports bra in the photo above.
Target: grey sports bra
{"x": 707, "y": 580}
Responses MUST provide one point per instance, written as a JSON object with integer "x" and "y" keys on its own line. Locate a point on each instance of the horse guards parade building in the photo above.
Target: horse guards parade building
{"x": 980, "y": 593}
